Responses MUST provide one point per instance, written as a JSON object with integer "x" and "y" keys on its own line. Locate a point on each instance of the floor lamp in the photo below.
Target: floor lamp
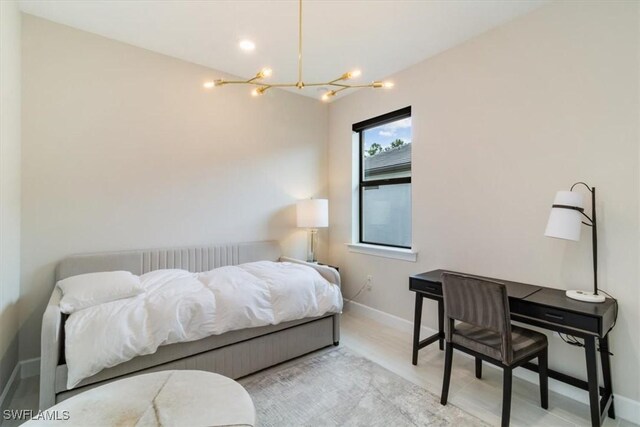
{"x": 565, "y": 222}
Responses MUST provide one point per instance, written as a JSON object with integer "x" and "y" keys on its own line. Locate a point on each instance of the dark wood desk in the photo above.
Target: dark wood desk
{"x": 546, "y": 308}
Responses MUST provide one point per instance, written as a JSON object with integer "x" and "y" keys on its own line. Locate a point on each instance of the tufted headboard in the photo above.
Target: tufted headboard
{"x": 194, "y": 259}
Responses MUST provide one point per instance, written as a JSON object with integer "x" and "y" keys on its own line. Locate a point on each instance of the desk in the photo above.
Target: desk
{"x": 546, "y": 308}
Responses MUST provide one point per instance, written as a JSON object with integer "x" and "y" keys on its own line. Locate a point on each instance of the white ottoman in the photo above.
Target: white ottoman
{"x": 167, "y": 398}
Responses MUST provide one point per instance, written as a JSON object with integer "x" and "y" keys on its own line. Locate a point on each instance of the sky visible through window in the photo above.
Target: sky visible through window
{"x": 384, "y": 135}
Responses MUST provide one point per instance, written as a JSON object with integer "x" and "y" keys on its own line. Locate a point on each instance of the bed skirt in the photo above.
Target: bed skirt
{"x": 246, "y": 357}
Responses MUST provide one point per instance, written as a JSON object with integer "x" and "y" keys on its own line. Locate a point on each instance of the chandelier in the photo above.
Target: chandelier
{"x": 335, "y": 85}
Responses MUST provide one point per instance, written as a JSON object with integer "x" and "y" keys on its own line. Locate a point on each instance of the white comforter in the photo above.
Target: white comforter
{"x": 179, "y": 306}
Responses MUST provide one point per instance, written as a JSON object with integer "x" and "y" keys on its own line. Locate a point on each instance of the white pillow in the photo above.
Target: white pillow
{"x": 87, "y": 290}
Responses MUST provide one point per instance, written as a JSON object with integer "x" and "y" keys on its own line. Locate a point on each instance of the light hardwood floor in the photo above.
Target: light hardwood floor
{"x": 391, "y": 349}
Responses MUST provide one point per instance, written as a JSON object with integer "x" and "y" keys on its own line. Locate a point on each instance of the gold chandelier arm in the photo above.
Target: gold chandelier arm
{"x": 342, "y": 85}
{"x": 345, "y": 76}
{"x": 333, "y": 83}
{"x": 357, "y": 86}
{"x": 316, "y": 84}
{"x": 240, "y": 82}
{"x": 339, "y": 84}
{"x": 282, "y": 84}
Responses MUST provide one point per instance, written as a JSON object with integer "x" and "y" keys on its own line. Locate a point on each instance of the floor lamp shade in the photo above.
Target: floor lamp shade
{"x": 565, "y": 219}
{"x": 313, "y": 213}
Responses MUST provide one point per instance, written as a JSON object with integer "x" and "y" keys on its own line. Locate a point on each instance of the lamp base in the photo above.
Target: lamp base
{"x": 585, "y": 296}
{"x": 313, "y": 245}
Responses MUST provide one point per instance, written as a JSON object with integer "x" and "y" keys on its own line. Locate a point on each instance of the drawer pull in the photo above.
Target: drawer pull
{"x": 554, "y": 316}
{"x": 432, "y": 289}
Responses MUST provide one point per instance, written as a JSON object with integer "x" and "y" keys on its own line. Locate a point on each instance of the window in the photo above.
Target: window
{"x": 385, "y": 179}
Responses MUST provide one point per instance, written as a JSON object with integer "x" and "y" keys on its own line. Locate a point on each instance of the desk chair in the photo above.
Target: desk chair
{"x": 485, "y": 332}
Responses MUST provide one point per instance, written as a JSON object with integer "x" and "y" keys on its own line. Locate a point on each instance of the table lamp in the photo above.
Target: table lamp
{"x": 312, "y": 214}
{"x": 565, "y": 220}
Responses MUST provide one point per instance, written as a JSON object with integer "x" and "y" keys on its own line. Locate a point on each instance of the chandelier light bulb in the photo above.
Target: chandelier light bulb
{"x": 265, "y": 72}
{"x": 387, "y": 85}
{"x": 209, "y": 85}
{"x": 350, "y": 75}
{"x": 258, "y": 91}
{"x": 327, "y": 95}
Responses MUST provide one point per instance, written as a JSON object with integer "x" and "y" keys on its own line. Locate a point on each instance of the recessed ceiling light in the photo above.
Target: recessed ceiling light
{"x": 247, "y": 45}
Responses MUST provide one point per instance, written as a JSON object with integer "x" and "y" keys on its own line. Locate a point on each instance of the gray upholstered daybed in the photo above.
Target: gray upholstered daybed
{"x": 234, "y": 354}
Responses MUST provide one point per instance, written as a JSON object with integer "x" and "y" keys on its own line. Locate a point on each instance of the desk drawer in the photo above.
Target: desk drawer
{"x": 425, "y": 286}
{"x": 555, "y": 316}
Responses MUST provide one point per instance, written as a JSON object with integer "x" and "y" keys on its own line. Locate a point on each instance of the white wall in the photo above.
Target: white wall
{"x": 9, "y": 186}
{"x": 123, "y": 149}
{"x": 500, "y": 123}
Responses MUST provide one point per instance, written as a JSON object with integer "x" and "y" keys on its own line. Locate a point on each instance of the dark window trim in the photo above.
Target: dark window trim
{"x": 362, "y": 184}
{"x": 383, "y": 119}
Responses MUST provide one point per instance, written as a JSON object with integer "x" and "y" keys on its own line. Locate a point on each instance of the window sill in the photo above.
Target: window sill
{"x": 384, "y": 251}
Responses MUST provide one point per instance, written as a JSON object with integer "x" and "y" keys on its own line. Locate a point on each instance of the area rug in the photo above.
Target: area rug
{"x": 336, "y": 387}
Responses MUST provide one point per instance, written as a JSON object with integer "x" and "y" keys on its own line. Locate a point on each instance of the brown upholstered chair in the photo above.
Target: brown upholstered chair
{"x": 485, "y": 332}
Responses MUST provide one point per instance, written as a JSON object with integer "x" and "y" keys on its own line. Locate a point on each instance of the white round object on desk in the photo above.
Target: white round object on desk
{"x": 585, "y": 296}
{"x": 166, "y": 398}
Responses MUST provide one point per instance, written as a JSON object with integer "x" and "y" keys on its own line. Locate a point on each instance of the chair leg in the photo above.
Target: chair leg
{"x": 478, "y": 368}
{"x": 544, "y": 378}
{"x": 506, "y": 396}
{"x": 448, "y": 361}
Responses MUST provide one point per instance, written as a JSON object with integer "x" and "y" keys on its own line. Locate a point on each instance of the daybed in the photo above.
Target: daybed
{"x": 234, "y": 354}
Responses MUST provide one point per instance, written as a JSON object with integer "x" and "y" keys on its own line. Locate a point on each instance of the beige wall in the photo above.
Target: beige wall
{"x": 122, "y": 148}
{"x": 500, "y": 124}
{"x": 9, "y": 186}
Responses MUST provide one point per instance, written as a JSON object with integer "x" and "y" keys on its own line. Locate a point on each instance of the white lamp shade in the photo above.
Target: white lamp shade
{"x": 313, "y": 213}
{"x": 565, "y": 223}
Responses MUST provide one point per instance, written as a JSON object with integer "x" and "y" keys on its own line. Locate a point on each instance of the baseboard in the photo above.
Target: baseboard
{"x": 10, "y": 387}
{"x": 626, "y": 408}
{"x": 23, "y": 369}
{"x": 30, "y": 367}
{"x": 386, "y": 319}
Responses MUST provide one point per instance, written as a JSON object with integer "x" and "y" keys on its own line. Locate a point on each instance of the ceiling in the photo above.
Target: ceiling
{"x": 377, "y": 37}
